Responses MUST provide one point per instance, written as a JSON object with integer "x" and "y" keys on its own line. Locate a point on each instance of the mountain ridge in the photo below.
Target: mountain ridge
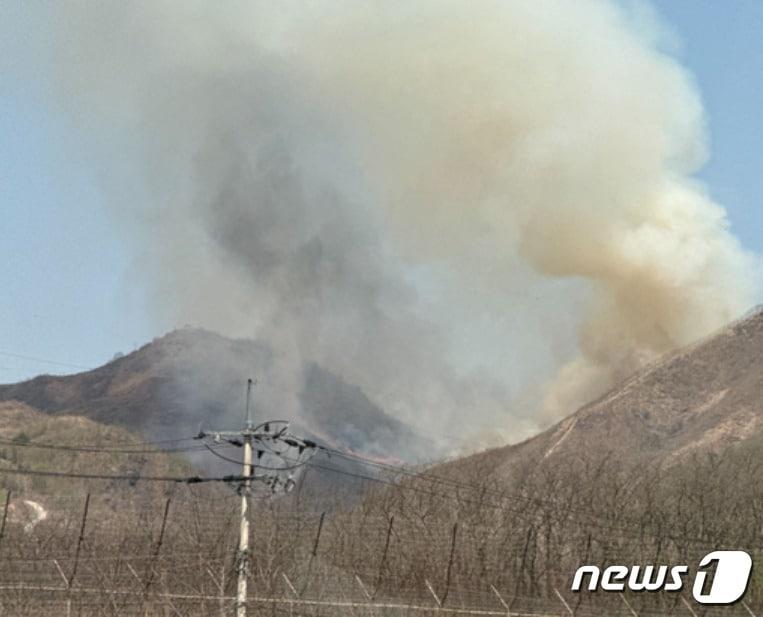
{"x": 193, "y": 378}
{"x": 699, "y": 399}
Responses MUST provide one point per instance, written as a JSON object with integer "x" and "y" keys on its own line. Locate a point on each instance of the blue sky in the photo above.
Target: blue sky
{"x": 722, "y": 44}
{"x": 65, "y": 265}
{"x": 63, "y": 261}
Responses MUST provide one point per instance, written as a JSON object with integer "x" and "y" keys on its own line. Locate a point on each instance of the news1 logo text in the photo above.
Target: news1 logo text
{"x": 728, "y": 583}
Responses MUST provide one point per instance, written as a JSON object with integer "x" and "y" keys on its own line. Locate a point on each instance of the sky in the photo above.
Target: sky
{"x": 69, "y": 300}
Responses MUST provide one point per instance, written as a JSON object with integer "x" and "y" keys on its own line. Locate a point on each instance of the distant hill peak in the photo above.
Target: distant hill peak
{"x": 191, "y": 377}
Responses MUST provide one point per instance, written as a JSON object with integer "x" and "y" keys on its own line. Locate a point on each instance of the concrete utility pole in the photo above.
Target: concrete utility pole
{"x": 246, "y": 490}
{"x": 264, "y": 433}
{"x": 246, "y": 434}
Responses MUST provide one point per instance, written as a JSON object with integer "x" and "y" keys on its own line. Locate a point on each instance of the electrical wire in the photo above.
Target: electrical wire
{"x": 396, "y": 468}
{"x": 127, "y": 449}
{"x": 10, "y": 354}
{"x": 130, "y": 478}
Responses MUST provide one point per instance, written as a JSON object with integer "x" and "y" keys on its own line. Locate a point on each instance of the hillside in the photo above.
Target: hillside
{"x": 64, "y": 440}
{"x": 700, "y": 399}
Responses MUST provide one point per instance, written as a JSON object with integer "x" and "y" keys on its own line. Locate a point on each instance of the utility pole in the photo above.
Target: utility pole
{"x": 246, "y": 434}
{"x": 246, "y": 490}
{"x": 273, "y": 432}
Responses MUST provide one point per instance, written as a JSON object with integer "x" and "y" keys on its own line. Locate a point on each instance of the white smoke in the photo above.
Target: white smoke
{"x": 557, "y": 135}
{"x": 376, "y": 186}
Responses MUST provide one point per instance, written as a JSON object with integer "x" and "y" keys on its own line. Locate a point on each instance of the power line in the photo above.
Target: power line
{"x": 399, "y": 469}
{"x": 134, "y": 478}
{"x": 10, "y": 354}
{"x": 128, "y": 449}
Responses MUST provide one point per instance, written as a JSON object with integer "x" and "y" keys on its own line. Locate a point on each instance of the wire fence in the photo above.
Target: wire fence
{"x": 177, "y": 556}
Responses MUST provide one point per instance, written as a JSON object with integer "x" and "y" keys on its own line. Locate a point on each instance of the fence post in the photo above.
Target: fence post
{"x": 318, "y": 535}
{"x": 80, "y": 539}
{"x": 313, "y": 555}
{"x": 450, "y": 562}
{"x": 383, "y": 561}
{"x": 157, "y": 548}
{"x": 5, "y": 514}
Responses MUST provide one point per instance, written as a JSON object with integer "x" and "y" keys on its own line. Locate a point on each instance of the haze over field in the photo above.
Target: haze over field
{"x": 483, "y": 215}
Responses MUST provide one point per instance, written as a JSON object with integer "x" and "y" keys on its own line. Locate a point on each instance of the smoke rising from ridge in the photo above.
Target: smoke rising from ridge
{"x": 371, "y": 185}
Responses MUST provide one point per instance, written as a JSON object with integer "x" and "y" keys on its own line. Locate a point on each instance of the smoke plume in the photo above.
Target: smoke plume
{"x": 481, "y": 213}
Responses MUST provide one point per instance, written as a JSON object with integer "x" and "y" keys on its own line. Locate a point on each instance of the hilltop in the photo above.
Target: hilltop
{"x": 192, "y": 378}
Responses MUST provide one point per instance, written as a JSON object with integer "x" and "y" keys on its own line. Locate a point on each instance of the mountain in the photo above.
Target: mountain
{"x": 192, "y": 378}
{"x": 698, "y": 400}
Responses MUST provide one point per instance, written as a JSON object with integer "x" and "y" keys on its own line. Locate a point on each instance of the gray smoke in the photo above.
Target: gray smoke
{"x": 481, "y": 213}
